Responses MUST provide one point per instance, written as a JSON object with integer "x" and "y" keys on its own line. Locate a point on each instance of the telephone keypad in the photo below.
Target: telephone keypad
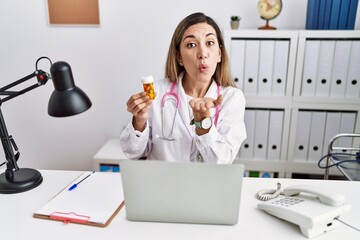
{"x": 287, "y": 201}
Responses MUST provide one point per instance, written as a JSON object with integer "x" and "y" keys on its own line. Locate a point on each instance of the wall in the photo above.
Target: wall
{"x": 107, "y": 62}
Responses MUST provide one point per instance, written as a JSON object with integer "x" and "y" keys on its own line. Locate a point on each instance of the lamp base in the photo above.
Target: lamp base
{"x": 24, "y": 179}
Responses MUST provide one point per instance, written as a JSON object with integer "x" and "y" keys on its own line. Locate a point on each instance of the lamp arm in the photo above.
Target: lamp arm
{"x": 42, "y": 78}
{"x": 8, "y": 144}
{"x": 7, "y": 141}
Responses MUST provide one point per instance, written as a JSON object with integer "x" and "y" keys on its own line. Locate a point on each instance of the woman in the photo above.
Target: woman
{"x": 208, "y": 125}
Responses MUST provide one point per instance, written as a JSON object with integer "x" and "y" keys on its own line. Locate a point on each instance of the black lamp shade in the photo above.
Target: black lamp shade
{"x": 67, "y": 99}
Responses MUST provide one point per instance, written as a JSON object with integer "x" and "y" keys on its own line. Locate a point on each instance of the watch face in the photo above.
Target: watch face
{"x": 269, "y": 9}
{"x": 206, "y": 123}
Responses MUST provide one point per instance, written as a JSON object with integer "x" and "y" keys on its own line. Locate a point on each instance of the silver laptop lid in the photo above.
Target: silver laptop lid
{"x": 181, "y": 192}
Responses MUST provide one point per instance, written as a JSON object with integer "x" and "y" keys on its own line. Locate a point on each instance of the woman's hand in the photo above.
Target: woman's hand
{"x": 201, "y": 106}
{"x": 138, "y": 105}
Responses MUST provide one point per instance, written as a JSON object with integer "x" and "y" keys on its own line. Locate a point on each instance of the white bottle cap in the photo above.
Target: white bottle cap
{"x": 147, "y": 79}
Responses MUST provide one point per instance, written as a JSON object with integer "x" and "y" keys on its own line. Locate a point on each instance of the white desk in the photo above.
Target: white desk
{"x": 16, "y": 219}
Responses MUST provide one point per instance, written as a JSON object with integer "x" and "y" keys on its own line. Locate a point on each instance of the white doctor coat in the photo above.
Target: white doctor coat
{"x": 220, "y": 145}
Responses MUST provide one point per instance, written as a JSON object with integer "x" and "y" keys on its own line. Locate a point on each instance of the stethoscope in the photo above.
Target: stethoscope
{"x": 177, "y": 104}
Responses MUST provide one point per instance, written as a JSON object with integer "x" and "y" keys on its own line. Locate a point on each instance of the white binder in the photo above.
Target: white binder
{"x": 323, "y": 79}
{"x": 281, "y": 57}
{"x": 353, "y": 79}
{"x": 252, "y": 48}
{"x": 311, "y": 58}
{"x": 340, "y": 68}
{"x": 237, "y": 62}
{"x": 317, "y": 131}
{"x": 347, "y": 125}
{"x": 275, "y": 134}
{"x": 266, "y": 65}
{"x": 332, "y": 128}
{"x": 302, "y": 135}
{"x": 246, "y": 150}
{"x": 261, "y": 133}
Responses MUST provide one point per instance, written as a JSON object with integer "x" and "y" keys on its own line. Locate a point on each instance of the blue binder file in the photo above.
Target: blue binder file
{"x": 327, "y": 14}
{"x": 321, "y": 18}
{"x": 343, "y": 14}
{"x": 334, "y": 16}
{"x": 312, "y": 14}
{"x": 352, "y": 14}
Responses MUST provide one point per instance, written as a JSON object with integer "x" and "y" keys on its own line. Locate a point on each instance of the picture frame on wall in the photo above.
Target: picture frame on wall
{"x": 74, "y": 12}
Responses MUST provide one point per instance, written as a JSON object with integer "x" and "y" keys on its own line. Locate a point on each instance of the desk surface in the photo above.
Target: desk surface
{"x": 16, "y": 216}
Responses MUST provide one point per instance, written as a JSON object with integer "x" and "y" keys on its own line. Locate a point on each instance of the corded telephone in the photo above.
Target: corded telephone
{"x": 314, "y": 209}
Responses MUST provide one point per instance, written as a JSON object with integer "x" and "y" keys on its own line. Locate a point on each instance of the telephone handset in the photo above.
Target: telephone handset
{"x": 312, "y": 208}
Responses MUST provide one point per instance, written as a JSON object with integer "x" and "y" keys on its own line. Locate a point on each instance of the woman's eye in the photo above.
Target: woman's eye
{"x": 210, "y": 43}
{"x": 191, "y": 45}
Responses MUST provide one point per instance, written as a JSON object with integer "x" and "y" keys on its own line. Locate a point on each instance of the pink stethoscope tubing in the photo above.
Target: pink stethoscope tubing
{"x": 177, "y": 101}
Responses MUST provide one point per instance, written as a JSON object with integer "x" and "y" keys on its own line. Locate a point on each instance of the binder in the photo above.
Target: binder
{"x": 267, "y": 48}
{"x": 340, "y": 68}
{"x": 275, "y": 134}
{"x": 252, "y": 50}
{"x": 302, "y": 135}
{"x": 321, "y": 16}
{"x": 353, "y": 79}
{"x": 327, "y": 14}
{"x": 312, "y": 14}
{"x": 343, "y": 14}
{"x": 317, "y": 131}
{"x": 281, "y": 57}
{"x": 334, "y": 15}
{"x": 261, "y": 133}
{"x": 237, "y": 62}
{"x": 323, "y": 79}
{"x": 95, "y": 201}
{"x": 332, "y": 127}
{"x": 311, "y": 59}
{"x": 246, "y": 150}
{"x": 352, "y": 14}
{"x": 347, "y": 125}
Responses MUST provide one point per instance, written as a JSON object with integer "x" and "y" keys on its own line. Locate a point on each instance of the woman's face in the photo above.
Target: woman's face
{"x": 199, "y": 52}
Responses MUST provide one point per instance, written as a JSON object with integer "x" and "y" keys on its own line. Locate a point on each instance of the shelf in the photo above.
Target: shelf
{"x": 304, "y": 92}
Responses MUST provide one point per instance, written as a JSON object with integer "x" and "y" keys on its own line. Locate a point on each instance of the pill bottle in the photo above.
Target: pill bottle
{"x": 148, "y": 84}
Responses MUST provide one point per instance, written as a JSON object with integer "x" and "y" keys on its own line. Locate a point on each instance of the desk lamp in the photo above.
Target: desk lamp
{"x": 66, "y": 100}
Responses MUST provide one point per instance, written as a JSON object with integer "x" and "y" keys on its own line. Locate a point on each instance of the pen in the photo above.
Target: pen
{"x": 76, "y": 184}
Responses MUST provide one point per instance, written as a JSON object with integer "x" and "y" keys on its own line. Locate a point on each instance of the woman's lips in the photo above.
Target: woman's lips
{"x": 203, "y": 67}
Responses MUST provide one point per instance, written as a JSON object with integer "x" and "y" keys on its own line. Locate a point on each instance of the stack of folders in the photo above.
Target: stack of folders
{"x": 331, "y": 14}
{"x": 264, "y": 134}
{"x": 331, "y": 68}
{"x": 260, "y": 67}
{"x": 316, "y": 128}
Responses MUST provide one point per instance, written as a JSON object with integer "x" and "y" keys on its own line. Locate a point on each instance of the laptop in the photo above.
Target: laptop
{"x": 160, "y": 191}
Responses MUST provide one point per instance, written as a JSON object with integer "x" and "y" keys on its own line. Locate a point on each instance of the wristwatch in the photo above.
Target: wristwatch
{"x": 206, "y": 123}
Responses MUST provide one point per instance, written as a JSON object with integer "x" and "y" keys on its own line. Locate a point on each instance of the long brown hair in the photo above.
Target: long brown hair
{"x": 222, "y": 73}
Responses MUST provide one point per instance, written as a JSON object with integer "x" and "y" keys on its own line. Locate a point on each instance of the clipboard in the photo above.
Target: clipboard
{"x": 95, "y": 201}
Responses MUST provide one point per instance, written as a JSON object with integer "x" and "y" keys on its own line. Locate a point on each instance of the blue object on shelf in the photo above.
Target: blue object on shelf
{"x": 343, "y": 14}
{"x": 327, "y": 14}
{"x": 352, "y": 14}
{"x": 312, "y": 14}
{"x": 334, "y": 17}
{"x": 109, "y": 168}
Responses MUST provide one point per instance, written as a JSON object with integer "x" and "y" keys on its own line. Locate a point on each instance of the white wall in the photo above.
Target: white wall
{"x": 107, "y": 62}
